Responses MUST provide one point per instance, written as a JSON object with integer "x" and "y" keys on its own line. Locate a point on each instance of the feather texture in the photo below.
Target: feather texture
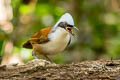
{"x": 38, "y": 38}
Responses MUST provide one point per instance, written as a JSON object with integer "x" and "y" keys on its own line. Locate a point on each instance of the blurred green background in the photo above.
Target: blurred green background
{"x": 98, "y": 21}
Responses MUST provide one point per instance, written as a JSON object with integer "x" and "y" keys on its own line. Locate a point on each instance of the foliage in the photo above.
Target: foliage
{"x": 97, "y": 20}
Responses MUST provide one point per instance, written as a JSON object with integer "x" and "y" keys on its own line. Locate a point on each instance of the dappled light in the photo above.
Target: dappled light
{"x": 98, "y": 22}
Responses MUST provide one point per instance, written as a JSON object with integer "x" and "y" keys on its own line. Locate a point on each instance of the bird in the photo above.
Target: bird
{"x": 52, "y": 40}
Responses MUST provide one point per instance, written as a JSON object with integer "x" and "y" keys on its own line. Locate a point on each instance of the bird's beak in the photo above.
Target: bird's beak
{"x": 75, "y": 28}
{"x": 69, "y": 29}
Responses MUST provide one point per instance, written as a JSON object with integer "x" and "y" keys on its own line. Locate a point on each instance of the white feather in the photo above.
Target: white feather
{"x": 58, "y": 41}
{"x": 58, "y": 36}
{"x": 64, "y": 18}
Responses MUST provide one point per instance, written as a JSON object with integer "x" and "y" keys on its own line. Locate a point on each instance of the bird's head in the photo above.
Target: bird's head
{"x": 66, "y": 22}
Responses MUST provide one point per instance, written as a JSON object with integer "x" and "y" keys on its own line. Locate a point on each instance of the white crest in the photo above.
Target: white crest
{"x": 66, "y": 18}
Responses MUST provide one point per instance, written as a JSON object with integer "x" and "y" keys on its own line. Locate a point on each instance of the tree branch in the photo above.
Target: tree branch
{"x": 44, "y": 70}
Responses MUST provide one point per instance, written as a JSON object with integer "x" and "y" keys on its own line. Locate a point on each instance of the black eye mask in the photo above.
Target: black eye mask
{"x": 62, "y": 24}
{"x": 69, "y": 25}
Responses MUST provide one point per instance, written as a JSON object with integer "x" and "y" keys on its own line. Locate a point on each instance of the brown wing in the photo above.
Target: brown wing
{"x": 38, "y": 38}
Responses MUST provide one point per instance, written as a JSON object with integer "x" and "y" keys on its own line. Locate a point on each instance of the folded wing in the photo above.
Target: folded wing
{"x": 38, "y": 38}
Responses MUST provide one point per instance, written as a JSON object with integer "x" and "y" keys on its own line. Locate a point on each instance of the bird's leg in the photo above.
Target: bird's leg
{"x": 35, "y": 57}
{"x": 112, "y": 60}
{"x": 48, "y": 58}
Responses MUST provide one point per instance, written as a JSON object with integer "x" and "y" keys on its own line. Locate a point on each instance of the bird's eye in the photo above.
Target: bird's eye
{"x": 69, "y": 28}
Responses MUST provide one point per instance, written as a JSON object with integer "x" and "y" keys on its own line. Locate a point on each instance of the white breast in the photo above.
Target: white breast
{"x": 58, "y": 41}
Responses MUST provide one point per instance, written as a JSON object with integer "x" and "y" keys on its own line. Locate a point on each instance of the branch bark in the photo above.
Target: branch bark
{"x": 44, "y": 70}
